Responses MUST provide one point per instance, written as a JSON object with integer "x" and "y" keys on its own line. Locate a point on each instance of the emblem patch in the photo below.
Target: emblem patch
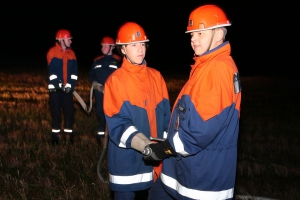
{"x": 181, "y": 109}
{"x": 191, "y": 22}
{"x": 138, "y": 34}
{"x": 237, "y": 83}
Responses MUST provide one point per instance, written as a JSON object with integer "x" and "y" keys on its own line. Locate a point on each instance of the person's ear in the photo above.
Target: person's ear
{"x": 123, "y": 50}
{"x": 219, "y": 34}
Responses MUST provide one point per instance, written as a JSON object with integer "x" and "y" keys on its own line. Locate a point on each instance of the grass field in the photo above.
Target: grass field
{"x": 31, "y": 168}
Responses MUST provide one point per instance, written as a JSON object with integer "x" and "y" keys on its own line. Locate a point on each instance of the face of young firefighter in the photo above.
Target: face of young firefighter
{"x": 106, "y": 49}
{"x": 135, "y": 52}
{"x": 65, "y": 43}
{"x": 202, "y": 41}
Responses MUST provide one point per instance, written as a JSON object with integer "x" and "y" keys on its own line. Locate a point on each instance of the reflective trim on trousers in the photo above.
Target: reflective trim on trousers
{"x": 126, "y": 180}
{"x": 195, "y": 194}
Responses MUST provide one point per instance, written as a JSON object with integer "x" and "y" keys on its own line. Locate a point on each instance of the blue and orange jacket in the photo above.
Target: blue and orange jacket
{"x": 135, "y": 101}
{"x": 62, "y": 68}
{"x": 102, "y": 68}
{"x": 204, "y": 129}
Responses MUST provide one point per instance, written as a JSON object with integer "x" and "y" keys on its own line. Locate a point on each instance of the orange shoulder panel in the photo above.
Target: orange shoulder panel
{"x": 117, "y": 57}
{"x": 54, "y": 52}
{"x": 98, "y": 57}
{"x": 215, "y": 90}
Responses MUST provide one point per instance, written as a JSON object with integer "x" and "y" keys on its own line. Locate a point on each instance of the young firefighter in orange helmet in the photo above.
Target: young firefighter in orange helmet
{"x": 101, "y": 69}
{"x": 136, "y": 106}
{"x": 62, "y": 77}
{"x": 204, "y": 122}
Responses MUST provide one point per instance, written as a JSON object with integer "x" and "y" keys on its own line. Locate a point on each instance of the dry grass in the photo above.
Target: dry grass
{"x": 31, "y": 168}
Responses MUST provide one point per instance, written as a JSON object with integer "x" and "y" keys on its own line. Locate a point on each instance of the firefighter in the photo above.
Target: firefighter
{"x": 102, "y": 67}
{"x": 136, "y": 106}
{"x": 204, "y": 123}
{"x": 62, "y": 77}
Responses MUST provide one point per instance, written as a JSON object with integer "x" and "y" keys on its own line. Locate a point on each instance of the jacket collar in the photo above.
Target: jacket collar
{"x": 137, "y": 70}
{"x": 223, "y": 48}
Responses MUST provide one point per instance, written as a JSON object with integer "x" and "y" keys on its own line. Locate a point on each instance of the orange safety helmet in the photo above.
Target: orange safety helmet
{"x": 131, "y": 32}
{"x": 107, "y": 41}
{"x": 207, "y": 17}
{"x": 63, "y": 34}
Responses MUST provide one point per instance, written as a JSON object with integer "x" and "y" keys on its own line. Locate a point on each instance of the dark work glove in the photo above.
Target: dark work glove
{"x": 67, "y": 90}
{"x": 159, "y": 151}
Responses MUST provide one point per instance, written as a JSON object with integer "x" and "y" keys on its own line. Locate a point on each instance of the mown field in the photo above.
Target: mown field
{"x": 31, "y": 168}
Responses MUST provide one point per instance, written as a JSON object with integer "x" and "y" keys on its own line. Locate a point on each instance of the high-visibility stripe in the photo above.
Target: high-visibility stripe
{"x": 97, "y": 66}
{"x": 52, "y": 77}
{"x": 101, "y": 133}
{"x": 165, "y": 134}
{"x": 113, "y": 66}
{"x": 125, "y": 136}
{"x": 68, "y": 85}
{"x": 68, "y": 130}
{"x": 50, "y": 86}
{"x": 196, "y": 194}
{"x": 55, "y": 130}
{"x": 74, "y": 77}
{"x": 179, "y": 147}
{"x": 126, "y": 180}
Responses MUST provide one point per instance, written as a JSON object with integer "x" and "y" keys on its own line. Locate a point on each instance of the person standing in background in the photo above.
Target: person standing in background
{"x": 101, "y": 69}
{"x": 62, "y": 77}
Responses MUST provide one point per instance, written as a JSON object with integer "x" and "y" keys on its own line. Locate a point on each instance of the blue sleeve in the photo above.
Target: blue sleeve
{"x": 54, "y": 72}
{"x": 73, "y": 72}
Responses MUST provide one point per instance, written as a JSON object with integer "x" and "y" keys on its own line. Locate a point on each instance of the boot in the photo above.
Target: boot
{"x": 55, "y": 140}
{"x": 100, "y": 139}
{"x": 71, "y": 138}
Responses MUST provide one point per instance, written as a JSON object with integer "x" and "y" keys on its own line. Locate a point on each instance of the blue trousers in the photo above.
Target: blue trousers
{"x": 131, "y": 195}
{"x": 60, "y": 101}
{"x": 158, "y": 192}
{"x": 99, "y": 111}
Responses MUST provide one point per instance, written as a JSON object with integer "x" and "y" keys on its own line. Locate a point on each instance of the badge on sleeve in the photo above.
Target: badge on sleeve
{"x": 177, "y": 123}
{"x": 237, "y": 83}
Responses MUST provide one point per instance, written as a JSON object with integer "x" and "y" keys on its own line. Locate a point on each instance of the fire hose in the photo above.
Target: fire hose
{"x": 84, "y": 106}
{"x": 82, "y": 103}
{"x": 99, "y": 167}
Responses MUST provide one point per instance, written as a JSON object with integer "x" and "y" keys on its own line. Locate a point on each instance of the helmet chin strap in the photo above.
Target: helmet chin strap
{"x": 211, "y": 40}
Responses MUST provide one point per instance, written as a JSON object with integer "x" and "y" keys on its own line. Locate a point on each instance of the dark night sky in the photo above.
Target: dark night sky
{"x": 257, "y": 35}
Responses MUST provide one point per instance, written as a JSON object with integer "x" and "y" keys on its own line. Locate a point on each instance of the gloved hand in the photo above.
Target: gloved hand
{"x": 67, "y": 89}
{"x": 159, "y": 151}
{"x": 98, "y": 86}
